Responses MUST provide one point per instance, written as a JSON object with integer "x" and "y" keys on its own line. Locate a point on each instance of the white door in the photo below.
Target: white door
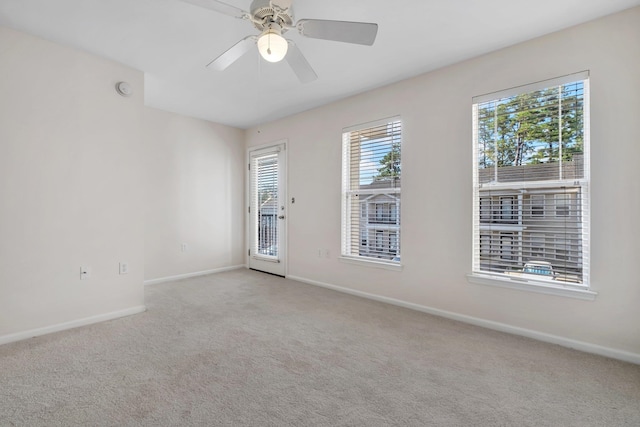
{"x": 267, "y": 210}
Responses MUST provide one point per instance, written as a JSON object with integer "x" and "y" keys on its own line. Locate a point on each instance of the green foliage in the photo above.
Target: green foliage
{"x": 526, "y": 129}
{"x": 390, "y": 162}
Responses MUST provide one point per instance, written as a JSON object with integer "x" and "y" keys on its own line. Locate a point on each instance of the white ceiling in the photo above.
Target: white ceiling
{"x": 172, "y": 41}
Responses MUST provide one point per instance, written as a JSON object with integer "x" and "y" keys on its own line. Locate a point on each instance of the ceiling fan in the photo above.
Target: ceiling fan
{"x": 274, "y": 18}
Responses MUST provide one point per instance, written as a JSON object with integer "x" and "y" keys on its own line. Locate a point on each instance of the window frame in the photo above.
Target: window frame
{"x": 537, "y": 210}
{"x": 484, "y": 206}
{"x": 380, "y": 211}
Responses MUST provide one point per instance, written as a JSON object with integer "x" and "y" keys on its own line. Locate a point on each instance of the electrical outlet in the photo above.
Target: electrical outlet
{"x": 85, "y": 273}
{"x": 124, "y": 268}
{"x": 183, "y": 247}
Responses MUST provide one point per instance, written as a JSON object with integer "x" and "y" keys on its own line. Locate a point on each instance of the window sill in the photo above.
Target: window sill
{"x": 532, "y": 286}
{"x": 371, "y": 263}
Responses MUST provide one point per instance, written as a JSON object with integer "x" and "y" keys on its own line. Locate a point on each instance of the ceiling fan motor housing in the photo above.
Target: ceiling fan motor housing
{"x": 266, "y": 12}
{"x": 273, "y": 18}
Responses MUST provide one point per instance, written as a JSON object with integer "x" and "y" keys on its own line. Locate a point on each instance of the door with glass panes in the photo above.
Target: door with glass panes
{"x": 267, "y": 210}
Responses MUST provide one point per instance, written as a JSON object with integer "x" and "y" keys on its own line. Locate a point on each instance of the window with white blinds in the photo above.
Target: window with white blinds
{"x": 371, "y": 176}
{"x": 531, "y": 183}
{"x": 264, "y": 182}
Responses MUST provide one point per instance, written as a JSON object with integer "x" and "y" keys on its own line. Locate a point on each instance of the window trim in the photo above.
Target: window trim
{"x": 371, "y": 262}
{"x": 388, "y": 225}
{"x": 585, "y": 291}
{"x": 531, "y": 286}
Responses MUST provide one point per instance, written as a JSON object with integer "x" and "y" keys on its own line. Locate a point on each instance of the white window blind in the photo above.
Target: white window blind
{"x": 264, "y": 184}
{"x": 531, "y": 183}
{"x": 371, "y": 170}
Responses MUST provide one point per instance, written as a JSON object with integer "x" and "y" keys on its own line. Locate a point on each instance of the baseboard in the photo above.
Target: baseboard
{"x": 489, "y": 324}
{"x": 188, "y": 275}
{"x": 5, "y": 339}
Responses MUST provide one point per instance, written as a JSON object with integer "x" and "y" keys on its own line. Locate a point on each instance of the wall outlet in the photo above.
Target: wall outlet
{"x": 183, "y": 247}
{"x": 124, "y": 268}
{"x": 323, "y": 253}
{"x": 85, "y": 273}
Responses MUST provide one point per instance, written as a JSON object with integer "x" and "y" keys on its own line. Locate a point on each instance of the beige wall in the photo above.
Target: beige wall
{"x": 194, "y": 195}
{"x": 90, "y": 178}
{"x": 437, "y": 185}
{"x": 70, "y": 185}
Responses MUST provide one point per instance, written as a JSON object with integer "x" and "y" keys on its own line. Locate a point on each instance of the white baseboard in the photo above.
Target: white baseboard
{"x": 188, "y": 275}
{"x": 5, "y": 339}
{"x": 489, "y": 324}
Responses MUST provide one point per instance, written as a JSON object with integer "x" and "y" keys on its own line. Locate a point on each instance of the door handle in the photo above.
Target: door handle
{"x": 281, "y": 217}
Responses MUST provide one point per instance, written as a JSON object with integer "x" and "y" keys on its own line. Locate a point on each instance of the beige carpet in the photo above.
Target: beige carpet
{"x": 245, "y": 348}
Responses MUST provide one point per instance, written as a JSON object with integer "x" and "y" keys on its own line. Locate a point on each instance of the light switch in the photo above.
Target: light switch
{"x": 124, "y": 268}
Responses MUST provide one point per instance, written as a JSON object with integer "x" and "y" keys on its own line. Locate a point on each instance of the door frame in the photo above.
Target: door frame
{"x": 283, "y": 193}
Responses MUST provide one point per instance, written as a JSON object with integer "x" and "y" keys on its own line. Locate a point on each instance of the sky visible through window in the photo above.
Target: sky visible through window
{"x": 376, "y": 154}
{"x": 543, "y": 126}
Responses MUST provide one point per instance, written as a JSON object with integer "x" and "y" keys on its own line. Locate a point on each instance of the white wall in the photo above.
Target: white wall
{"x": 437, "y": 185}
{"x": 89, "y": 178}
{"x": 70, "y": 186}
{"x": 194, "y": 195}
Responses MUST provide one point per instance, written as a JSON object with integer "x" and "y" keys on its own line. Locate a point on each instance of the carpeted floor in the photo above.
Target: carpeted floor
{"x": 249, "y": 349}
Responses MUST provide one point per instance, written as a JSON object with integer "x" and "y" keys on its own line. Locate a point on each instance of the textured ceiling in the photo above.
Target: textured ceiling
{"x": 172, "y": 41}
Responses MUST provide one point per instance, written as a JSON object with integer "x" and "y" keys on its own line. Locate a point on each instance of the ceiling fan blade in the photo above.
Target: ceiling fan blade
{"x": 341, "y": 31}
{"x": 220, "y": 7}
{"x": 299, "y": 64}
{"x": 233, "y": 53}
{"x": 282, "y": 4}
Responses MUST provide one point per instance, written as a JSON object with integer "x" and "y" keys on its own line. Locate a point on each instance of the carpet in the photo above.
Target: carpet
{"x": 249, "y": 349}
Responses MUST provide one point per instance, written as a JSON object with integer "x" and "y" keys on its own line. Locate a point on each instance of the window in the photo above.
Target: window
{"x": 393, "y": 213}
{"x": 506, "y": 246}
{"x": 485, "y": 209}
{"x": 385, "y": 213}
{"x": 531, "y": 177}
{"x": 265, "y": 185}
{"x": 371, "y": 171}
{"x": 363, "y": 239}
{"x": 381, "y": 212}
{"x": 564, "y": 248}
{"x": 508, "y": 209}
{"x": 537, "y": 205}
{"x": 379, "y": 240}
{"x": 563, "y": 204}
{"x": 393, "y": 242}
{"x": 485, "y": 244}
{"x": 537, "y": 246}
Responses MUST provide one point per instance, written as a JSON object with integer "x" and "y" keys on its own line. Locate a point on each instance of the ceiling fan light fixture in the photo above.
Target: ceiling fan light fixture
{"x": 271, "y": 45}
{"x": 275, "y": 17}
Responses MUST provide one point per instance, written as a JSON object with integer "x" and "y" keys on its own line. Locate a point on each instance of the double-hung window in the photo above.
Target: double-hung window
{"x": 531, "y": 184}
{"x": 371, "y": 176}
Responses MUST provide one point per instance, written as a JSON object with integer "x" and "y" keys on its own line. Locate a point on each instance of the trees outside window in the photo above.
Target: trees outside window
{"x": 371, "y": 191}
{"x": 531, "y": 179}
